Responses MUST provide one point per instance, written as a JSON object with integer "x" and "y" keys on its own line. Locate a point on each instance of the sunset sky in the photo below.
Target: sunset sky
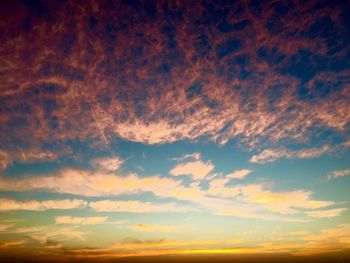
{"x": 134, "y": 128}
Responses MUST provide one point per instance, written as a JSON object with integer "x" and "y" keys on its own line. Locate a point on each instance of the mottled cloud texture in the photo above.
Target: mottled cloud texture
{"x": 176, "y": 70}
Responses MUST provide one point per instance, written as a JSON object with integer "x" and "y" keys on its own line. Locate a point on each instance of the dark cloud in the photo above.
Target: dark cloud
{"x": 161, "y": 71}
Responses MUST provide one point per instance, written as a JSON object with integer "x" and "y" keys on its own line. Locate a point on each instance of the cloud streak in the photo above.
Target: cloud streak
{"x": 134, "y": 207}
{"x": 271, "y": 155}
{"x": 339, "y": 173}
{"x": 80, "y": 220}
{"x": 86, "y": 183}
{"x": 32, "y": 205}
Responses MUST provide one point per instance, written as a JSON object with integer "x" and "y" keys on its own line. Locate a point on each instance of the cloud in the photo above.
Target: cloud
{"x": 80, "y": 220}
{"x": 194, "y": 156}
{"x": 271, "y": 155}
{"x": 26, "y": 156}
{"x": 12, "y": 243}
{"x": 200, "y": 123}
{"x": 217, "y": 187}
{"x": 326, "y": 213}
{"x": 287, "y": 202}
{"x": 10, "y": 204}
{"x": 251, "y": 201}
{"x": 5, "y": 226}
{"x": 339, "y": 233}
{"x": 134, "y": 207}
{"x": 190, "y": 193}
{"x": 5, "y": 160}
{"x": 339, "y": 173}
{"x": 34, "y": 155}
{"x": 85, "y": 183}
{"x": 327, "y": 240}
{"x": 268, "y": 155}
{"x": 152, "y": 247}
{"x": 213, "y": 97}
{"x": 197, "y": 170}
{"x": 52, "y": 244}
{"x": 240, "y": 174}
{"x": 283, "y": 202}
{"x": 156, "y": 228}
{"x": 108, "y": 163}
{"x": 136, "y": 243}
{"x": 243, "y": 208}
{"x": 43, "y": 234}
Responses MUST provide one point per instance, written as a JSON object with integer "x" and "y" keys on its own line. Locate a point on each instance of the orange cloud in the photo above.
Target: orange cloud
{"x": 327, "y": 240}
{"x": 283, "y": 202}
{"x": 149, "y": 244}
{"x": 5, "y": 227}
{"x": 197, "y": 170}
{"x": 12, "y": 243}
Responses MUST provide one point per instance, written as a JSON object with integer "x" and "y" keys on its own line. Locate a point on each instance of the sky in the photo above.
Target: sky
{"x": 138, "y": 128}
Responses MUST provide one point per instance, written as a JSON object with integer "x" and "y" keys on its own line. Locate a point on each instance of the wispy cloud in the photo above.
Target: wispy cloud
{"x": 10, "y": 204}
{"x": 12, "y": 243}
{"x": 5, "y": 226}
{"x": 80, "y": 220}
{"x": 5, "y": 160}
{"x": 327, "y": 240}
{"x": 239, "y": 174}
{"x": 135, "y": 243}
{"x": 26, "y": 156}
{"x": 271, "y": 155}
{"x": 194, "y": 156}
{"x": 134, "y": 207}
{"x": 108, "y": 163}
{"x": 34, "y": 155}
{"x": 44, "y": 233}
{"x": 339, "y": 173}
{"x": 280, "y": 202}
{"x": 326, "y": 213}
{"x": 283, "y": 202}
{"x": 86, "y": 183}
